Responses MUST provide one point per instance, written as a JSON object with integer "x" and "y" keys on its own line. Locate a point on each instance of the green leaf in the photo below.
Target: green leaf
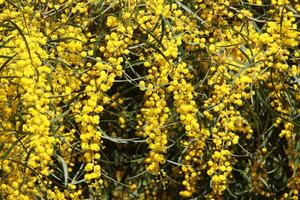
{"x": 6, "y": 62}
{"x": 65, "y": 169}
{"x": 5, "y": 155}
{"x": 56, "y": 119}
{"x": 187, "y": 9}
{"x": 22, "y": 35}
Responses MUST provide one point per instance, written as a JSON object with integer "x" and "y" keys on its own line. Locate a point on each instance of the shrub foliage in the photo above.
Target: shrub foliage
{"x": 149, "y": 99}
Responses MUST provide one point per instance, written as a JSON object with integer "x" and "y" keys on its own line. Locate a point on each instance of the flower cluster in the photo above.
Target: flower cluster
{"x": 149, "y": 99}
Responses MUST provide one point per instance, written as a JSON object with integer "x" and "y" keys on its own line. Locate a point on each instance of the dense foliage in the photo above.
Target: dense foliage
{"x": 149, "y": 99}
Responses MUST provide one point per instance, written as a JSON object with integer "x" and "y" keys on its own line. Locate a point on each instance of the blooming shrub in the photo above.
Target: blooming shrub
{"x": 149, "y": 99}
